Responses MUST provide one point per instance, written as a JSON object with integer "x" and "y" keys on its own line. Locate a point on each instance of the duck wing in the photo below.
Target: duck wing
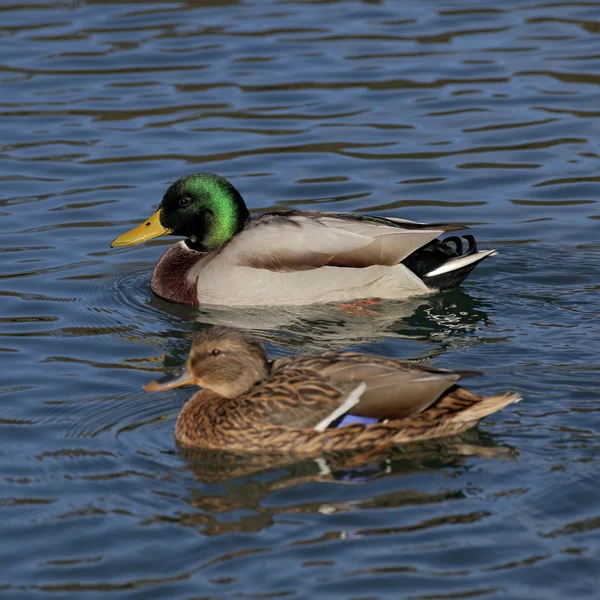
{"x": 393, "y": 389}
{"x": 300, "y": 398}
{"x": 303, "y": 240}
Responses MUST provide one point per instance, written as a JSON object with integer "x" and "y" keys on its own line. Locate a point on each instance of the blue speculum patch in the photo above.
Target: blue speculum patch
{"x": 350, "y": 419}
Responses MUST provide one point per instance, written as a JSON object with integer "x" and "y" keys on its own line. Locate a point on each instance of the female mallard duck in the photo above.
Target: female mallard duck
{"x": 292, "y": 257}
{"x": 303, "y": 404}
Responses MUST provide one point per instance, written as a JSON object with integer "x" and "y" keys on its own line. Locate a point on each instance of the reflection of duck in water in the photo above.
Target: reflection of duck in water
{"x": 314, "y": 328}
{"x": 247, "y": 480}
{"x": 350, "y": 466}
{"x": 447, "y": 319}
{"x": 293, "y": 257}
{"x": 309, "y": 404}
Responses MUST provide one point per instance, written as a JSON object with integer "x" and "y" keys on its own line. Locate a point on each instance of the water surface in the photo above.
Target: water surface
{"x": 433, "y": 111}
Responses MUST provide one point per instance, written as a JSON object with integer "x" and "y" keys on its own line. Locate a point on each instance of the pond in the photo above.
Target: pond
{"x": 437, "y": 111}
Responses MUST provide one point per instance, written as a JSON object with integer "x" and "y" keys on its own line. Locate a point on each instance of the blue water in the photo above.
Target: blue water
{"x": 462, "y": 111}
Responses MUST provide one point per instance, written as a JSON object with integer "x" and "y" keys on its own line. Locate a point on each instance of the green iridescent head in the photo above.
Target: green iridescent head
{"x": 203, "y": 207}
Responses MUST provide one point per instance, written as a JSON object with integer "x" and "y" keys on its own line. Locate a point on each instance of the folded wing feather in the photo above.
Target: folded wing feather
{"x": 394, "y": 388}
{"x": 392, "y": 393}
{"x": 299, "y": 242}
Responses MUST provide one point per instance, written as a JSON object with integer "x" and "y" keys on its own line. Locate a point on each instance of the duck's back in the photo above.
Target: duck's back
{"x": 395, "y": 389}
{"x": 300, "y": 258}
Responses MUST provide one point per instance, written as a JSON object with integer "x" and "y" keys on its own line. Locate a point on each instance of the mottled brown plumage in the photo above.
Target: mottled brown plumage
{"x": 294, "y": 403}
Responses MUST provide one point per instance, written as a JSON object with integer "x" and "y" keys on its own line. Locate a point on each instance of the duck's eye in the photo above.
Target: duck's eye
{"x": 216, "y": 352}
{"x": 184, "y": 201}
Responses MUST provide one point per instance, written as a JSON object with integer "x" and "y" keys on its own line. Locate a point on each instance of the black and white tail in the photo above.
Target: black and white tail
{"x": 444, "y": 264}
{"x": 453, "y": 272}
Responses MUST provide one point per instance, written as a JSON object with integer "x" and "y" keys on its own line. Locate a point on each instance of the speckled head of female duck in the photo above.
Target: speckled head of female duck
{"x": 313, "y": 403}
{"x": 293, "y": 257}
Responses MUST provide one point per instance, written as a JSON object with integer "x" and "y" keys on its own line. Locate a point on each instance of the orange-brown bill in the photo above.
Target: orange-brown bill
{"x": 180, "y": 376}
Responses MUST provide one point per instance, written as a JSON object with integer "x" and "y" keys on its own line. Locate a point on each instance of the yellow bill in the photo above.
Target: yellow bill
{"x": 148, "y": 230}
{"x": 180, "y": 376}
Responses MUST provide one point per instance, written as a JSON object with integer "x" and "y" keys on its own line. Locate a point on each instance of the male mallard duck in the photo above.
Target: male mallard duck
{"x": 292, "y": 257}
{"x": 302, "y": 404}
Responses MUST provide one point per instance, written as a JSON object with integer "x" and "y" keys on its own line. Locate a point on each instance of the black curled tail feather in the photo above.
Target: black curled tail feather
{"x": 458, "y": 241}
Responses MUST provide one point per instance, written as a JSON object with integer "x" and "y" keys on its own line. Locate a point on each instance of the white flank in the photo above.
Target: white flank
{"x": 460, "y": 262}
{"x": 352, "y": 399}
